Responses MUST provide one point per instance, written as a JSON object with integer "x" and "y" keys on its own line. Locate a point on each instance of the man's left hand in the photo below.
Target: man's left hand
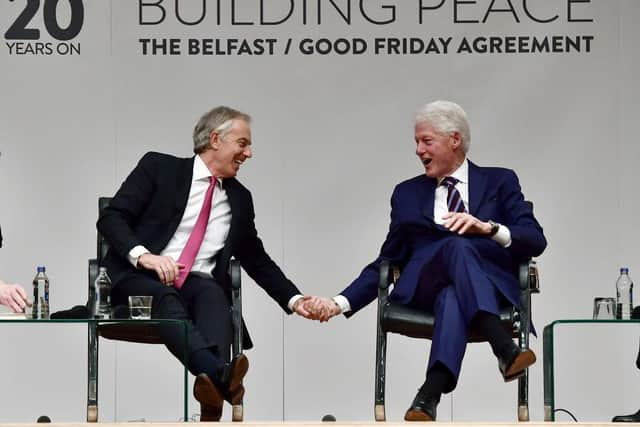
{"x": 464, "y": 223}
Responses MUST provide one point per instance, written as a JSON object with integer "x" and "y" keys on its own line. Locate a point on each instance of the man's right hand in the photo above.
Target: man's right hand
{"x": 322, "y": 308}
{"x": 165, "y": 267}
{"x": 14, "y": 297}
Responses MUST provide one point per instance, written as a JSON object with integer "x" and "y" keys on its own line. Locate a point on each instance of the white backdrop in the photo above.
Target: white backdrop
{"x": 332, "y": 136}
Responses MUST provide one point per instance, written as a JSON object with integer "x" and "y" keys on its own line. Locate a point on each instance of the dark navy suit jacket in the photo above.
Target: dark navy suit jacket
{"x": 147, "y": 210}
{"x": 414, "y": 238}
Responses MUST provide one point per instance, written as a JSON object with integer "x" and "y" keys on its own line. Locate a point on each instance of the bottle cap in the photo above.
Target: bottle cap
{"x": 103, "y": 269}
{"x": 624, "y": 270}
{"x": 41, "y": 269}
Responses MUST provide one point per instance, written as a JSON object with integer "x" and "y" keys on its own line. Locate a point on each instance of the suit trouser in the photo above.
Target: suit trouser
{"x": 455, "y": 287}
{"x": 201, "y": 301}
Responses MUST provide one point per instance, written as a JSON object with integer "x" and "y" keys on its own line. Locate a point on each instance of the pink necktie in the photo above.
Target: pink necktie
{"x": 188, "y": 255}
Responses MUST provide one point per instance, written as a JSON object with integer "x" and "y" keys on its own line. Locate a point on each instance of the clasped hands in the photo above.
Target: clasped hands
{"x": 316, "y": 308}
{"x": 310, "y": 307}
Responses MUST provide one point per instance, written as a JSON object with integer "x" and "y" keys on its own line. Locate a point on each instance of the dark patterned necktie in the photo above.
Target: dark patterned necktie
{"x": 454, "y": 200}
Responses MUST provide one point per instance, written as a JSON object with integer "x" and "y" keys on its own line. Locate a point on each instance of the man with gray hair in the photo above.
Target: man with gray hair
{"x": 457, "y": 232}
{"x": 172, "y": 228}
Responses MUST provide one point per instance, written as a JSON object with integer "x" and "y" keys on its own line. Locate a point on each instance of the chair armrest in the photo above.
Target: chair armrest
{"x": 234, "y": 272}
{"x": 102, "y": 245}
{"x": 528, "y": 276}
{"x": 534, "y": 278}
{"x": 383, "y": 294}
{"x": 385, "y": 275}
{"x": 92, "y": 270}
{"x": 236, "y": 306}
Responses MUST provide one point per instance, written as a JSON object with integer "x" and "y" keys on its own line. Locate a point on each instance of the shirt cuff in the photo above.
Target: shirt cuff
{"x": 503, "y": 236}
{"x": 136, "y": 253}
{"x": 293, "y": 300}
{"x": 343, "y": 303}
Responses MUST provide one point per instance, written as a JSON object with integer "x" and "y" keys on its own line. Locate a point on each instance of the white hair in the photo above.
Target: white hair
{"x": 446, "y": 117}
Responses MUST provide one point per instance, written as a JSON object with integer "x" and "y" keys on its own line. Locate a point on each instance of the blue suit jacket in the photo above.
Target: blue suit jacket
{"x": 414, "y": 237}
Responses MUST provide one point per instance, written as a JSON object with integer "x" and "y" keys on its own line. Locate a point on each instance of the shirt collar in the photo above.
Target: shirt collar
{"x": 201, "y": 172}
{"x": 461, "y": 174}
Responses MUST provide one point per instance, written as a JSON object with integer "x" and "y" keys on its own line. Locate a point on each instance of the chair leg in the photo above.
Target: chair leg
{"x": 237, "y": 410}
{"x": 237, "y": 413}
{"x": 379, "y": 412}
{"x": 523, "y": 397}
{"x": 92, "y": 373}
{"x": 381, "y": 356}
{"x": 523, "y": 342}
{"x": 523, "y": 381}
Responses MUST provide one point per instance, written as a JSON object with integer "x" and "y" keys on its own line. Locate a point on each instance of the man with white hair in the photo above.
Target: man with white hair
{"x": 172, "y": 228}
{"x": 457, "y": 232}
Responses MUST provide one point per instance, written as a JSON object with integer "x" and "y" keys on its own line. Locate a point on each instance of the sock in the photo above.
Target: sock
{"x": 204, "y": 361}
{"x": 490, "y": 327}
{"x": 439, "y": 379}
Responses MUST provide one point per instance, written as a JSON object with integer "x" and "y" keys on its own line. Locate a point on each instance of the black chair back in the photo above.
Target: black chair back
{"x": 103, "y": 245}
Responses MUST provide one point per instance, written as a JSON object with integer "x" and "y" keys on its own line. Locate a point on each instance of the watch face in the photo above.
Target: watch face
{"x": 494, "y": 227}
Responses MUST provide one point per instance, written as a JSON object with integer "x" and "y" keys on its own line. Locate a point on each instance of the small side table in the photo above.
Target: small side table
{"x": 92, "y": 368}
{"x": 547, "y": 364}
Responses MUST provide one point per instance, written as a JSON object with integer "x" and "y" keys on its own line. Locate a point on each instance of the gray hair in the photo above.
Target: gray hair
{"x": 446, "y": 117}
{"x": 219, "y": 119}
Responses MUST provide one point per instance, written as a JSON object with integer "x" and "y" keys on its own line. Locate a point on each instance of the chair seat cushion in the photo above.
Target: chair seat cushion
{"x": 146, "y": 334}
{"x": 414, "y": 323}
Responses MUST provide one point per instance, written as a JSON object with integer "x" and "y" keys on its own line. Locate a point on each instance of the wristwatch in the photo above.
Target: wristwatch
{"x": 494, "y": 228}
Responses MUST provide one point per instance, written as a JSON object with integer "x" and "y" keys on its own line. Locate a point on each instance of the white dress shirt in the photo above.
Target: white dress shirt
{"x": 217, "y": 228}
{"x": 440, "y": 207}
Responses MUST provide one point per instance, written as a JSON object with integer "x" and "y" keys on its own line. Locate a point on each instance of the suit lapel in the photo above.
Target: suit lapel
{"x": 427, "y": 196}
{"x": 183, "y": 185}
{"x": 477, "y": 187}
{"x": 182, "y": 174}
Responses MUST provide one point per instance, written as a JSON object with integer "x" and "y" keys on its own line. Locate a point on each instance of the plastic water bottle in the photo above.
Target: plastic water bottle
{"x": 102, "y": 292}
{"x": 624, "y": 295}
{"x": 40, "y": 307}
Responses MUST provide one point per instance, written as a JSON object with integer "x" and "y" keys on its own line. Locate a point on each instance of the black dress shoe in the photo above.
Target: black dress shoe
{"x": 210, "y": 398}
{"x": 633, "y": 418}
{"x": 423, "y": 408}
{"x": 515, "y": 362}
{"x": 232, "y": 377}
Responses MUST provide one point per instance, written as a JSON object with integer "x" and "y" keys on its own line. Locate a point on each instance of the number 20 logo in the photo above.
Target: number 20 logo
{"x": 19, "y": 30}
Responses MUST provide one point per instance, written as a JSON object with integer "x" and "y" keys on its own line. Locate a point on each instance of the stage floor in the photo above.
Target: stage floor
{"x": 333, "y": 424}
